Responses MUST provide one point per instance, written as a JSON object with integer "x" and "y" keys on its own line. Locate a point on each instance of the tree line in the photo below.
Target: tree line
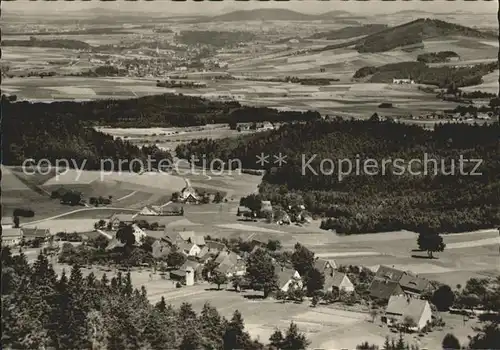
{"x": 362, "y": 202}
{"x": 164, "y": 110}
{"x": 442, "y": 77}
{"x": 41, "y": 309}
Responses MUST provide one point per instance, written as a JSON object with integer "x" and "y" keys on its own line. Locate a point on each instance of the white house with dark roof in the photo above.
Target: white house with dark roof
{"x": 401, "y": 307}
{"x": 339, "y": 281}
{"x": 7, "y": 222}
{"x": 287, "y": 278}
{"x": 189, "y": 249}
{"x": 121, "y": 219}
{"x": 327, "y": 267}
{"x": 11, "y": 236}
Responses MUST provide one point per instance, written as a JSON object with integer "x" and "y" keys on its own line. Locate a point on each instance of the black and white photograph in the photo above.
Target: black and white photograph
{"x": 250, "y": 175}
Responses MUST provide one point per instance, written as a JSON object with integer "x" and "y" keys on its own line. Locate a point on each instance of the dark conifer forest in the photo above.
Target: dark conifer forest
{"x": 362, "y": 202}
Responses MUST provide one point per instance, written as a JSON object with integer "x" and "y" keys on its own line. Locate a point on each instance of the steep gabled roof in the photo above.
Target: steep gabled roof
{"x": 335, "y": 280}
{"x": 11, "y": 233}
{"x": 402, "y": 306}
{"x": 186, "y": 235}
{"x": 185, "y": 246}
{"x": 383, "y": 289}
{"x": 389, "y": 273}
{"x": 284, "y": 274}
{"x": 214, "y": 245}
{"x": 122, "y": 217}
{"x": 190, "y": 263}
{"x": 321, "y": 264}
{"x": 199, "y": 240}
{"x": 414, "y": 283}
{"x": 221, "y": 257}
{"x": 35, "y": 232}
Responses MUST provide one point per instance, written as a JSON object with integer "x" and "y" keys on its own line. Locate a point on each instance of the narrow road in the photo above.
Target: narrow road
{"x": 126, "y": 196}
{"x": 76, "y": 211}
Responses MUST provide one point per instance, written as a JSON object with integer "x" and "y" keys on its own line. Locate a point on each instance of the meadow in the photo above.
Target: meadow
{"x": 359, "y": 99}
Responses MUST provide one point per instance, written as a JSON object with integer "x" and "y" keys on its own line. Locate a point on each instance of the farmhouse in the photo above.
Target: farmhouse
{"x": 403, "y": 81}
{"x": 117, "y": 220}
{"x": 243, "y": 211}
{"x": 139, "y": 234}
{"x": 197, "y": 268}
{"x": 287, "y": 278}
{"x": 192, "y": 237}
{"x": 30, "y": 234}
{"x": 389, "y": 273}
{"x": 11, "y": 236}
{"x": 184, "y": 276}
{"x": 160, "y": 249}
{"x": 266, "y": 206}
{"x": 114, "y": 243}
{"x": 230, "y": 268}
{"x": 210, "y": 250}
{"x": 149, "y": 211}
{"x": 338, "y": 281}
{"x": 409, "y": 283}
{"x": 189, "y": 249}
{"x": 383, "y": 289}
{"x": 325, "y": 266}
{"x": 214, "y": 246}
{"x": 414, "y": 285}
{"x": 7, "y": 222}
{"x": 400, "y": 308}
{"x": 188, "y": 194}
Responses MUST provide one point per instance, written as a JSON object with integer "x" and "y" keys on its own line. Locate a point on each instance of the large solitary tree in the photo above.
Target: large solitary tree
{"x": 260, "y": 272}
{"x": 430, "y": 242}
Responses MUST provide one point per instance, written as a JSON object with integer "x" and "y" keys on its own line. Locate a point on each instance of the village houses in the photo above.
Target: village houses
{"x": 118, "y": 220}
{"x": 402, "y": 308}
{"x": 389, "y": 282}
{"x": 287, "y": 278}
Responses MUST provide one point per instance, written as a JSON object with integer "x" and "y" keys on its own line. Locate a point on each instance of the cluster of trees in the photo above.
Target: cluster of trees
{"x": 442, "y": 77}
{"x": 71, "y": 197}
{"x": 42, "y": 310}
{"x": 97, "y": 201}
{"x": 148, "y": 111}
{"x": 389, "y": 200}
{"x": 59, "y": 130}
{"x": 102, "y": 71}
{"x": 412, "y": 33}
{"x": 478, "y": 292}
{"x": 436, "y": 57}
{"x": 214, "y": 38}
{"x": 52, "y": 43}
{"x": 349, "y": 32}
{"x": 391, "y": 344}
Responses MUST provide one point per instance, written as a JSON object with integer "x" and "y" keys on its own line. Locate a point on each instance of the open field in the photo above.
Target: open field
{"x": 128, "y": 190}
{"x": 326, "y": 327}
{"x": 170, "y": 138}
{"x": 490, "y": 84}
{"x": 357, "y": 98}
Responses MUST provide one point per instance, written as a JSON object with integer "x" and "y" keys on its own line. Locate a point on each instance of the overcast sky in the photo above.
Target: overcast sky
{"x": 210, "y": 7}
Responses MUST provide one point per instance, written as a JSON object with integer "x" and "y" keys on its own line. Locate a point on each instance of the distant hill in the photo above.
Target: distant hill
{"x": 276, "y": 15}
{"x": 349, "y": 32}
{"x": 411, "y": 33}
{"x": 415, "y": 32}
{"x": 338, "y": 13}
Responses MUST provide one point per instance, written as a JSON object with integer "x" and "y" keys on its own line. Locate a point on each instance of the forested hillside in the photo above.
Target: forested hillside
{"x": 43, "y": 311}
{"x": 43, "y": 135}
{"x": 442, "y": 77}
{"x": 411, "y": 33}
{"x": 361, "y": 202}
{"x": 150, "y": 111}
